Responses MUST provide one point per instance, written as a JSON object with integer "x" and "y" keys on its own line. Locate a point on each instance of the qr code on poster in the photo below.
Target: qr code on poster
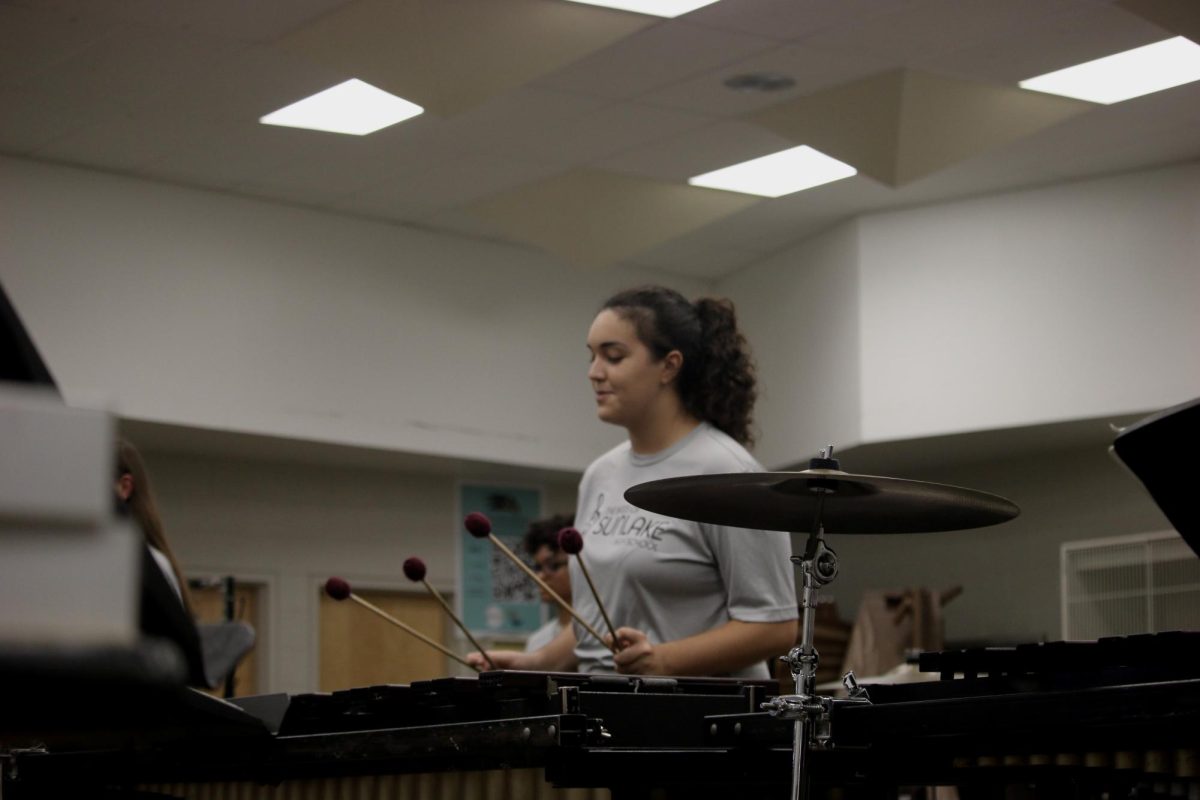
{"x": 509, "y": 583}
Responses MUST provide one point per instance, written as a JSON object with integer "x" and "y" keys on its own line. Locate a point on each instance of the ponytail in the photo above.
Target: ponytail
{"x": 725, "y": 391}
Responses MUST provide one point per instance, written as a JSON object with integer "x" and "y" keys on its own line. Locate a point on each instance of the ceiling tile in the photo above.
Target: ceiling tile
{"x": 903, "y": 125}
{"x": 332, "y": 165}
{"x": 455, "y": 183}
{"x": 811, "y": 69}
{"x": 25, "y": 31}
{"x": 772, "y": 225}
{"x": 790, "y": 19}
{"x": 597, "y": 218}
{"x": 136, "y": 69}
{"x": 246, "y": 83}
{"x": 946, "y": 120}
{"x": 1070, "y": 37}
{"x": 923, "y": 29}
{"x": 29, "y": 122}
{"x": 235, "y": 159}
{"x": 601, "y": 134}
{"x": 505, "y": 125}
{"x": 451, "y": 56}
{"x": 130, "y": 141}
{"x": 1180, "y": 17}
{"x": 1143, "y": 132}
{"x": 717, "y": 145}
{"x": 657, "y": 56}
{"x": 1121, "y": 152}
{"x": 261, "y": 20}
{"x": 173, "y": 89}
{"x": 858, "y": 123}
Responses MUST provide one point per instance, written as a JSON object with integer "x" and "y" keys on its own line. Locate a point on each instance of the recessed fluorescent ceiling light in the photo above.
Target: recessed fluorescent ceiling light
{"x": 1158, "y": 66}
{"x": 352, "y": 107}
{"x": 658, "y": 8}
{"x": 777, "y": 174}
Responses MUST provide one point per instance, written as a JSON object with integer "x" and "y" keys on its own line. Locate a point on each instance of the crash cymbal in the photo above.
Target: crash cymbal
{"x": 787, "y": 501}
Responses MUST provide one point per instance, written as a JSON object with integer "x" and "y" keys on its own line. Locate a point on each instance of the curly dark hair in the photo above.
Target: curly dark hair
{"x": 717, "y": 381}
{"x": 544, "y": 532}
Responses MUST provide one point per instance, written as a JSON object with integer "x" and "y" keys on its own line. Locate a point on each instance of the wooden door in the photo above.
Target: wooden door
{"x": 208, "y": 603}
{"x": 359, "y": 648}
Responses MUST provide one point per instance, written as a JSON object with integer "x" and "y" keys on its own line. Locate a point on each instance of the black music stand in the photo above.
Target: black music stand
{"x": 1144, "y": 447}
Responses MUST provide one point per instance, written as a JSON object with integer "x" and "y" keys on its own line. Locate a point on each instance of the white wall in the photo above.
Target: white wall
{"x": 800, "y": 312}
{"x": 1068, "y": 302}
{"x": 207, "y": 310}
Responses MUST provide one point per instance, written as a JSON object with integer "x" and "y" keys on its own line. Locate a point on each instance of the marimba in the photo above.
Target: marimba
{"x": 1111, "y": 719}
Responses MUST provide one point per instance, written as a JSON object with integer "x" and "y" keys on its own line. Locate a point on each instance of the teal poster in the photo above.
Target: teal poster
{"x": 497, "y": 597}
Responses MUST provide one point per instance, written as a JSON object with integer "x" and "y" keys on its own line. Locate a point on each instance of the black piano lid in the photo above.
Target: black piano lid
{"x": 1153, "y": 448}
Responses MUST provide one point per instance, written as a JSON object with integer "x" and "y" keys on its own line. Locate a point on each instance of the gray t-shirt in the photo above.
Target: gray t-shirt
{"x": 667, "y": 577}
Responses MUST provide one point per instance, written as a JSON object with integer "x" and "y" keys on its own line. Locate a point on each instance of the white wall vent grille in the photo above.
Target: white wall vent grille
{"x": 1124, "y": 585}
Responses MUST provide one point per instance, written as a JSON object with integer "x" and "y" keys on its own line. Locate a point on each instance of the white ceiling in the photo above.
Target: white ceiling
{"x": 172, "y": 90}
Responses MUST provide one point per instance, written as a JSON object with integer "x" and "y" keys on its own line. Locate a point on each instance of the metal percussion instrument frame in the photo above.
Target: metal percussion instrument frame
{"x": 849, "y": 503}
{"x": 810, "y": 712}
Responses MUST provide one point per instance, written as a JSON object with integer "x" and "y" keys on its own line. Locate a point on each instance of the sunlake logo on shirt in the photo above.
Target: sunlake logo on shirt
{"x": 630, "y": 526}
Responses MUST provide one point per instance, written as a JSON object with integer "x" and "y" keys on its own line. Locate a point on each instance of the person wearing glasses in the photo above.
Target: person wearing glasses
{"x": 551, "y": 564}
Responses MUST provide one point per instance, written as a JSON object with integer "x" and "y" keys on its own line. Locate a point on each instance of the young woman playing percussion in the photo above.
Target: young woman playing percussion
{"x": 689, "y": 598}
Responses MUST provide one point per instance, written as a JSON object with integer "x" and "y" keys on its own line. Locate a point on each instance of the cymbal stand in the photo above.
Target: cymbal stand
{"x": 811, "y": 714}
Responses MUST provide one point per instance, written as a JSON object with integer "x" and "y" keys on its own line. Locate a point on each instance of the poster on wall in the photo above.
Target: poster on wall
{"x": 496, "y": 597}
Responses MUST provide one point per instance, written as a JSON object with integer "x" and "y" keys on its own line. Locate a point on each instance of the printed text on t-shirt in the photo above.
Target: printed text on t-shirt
{"x": 625, "y": 520}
